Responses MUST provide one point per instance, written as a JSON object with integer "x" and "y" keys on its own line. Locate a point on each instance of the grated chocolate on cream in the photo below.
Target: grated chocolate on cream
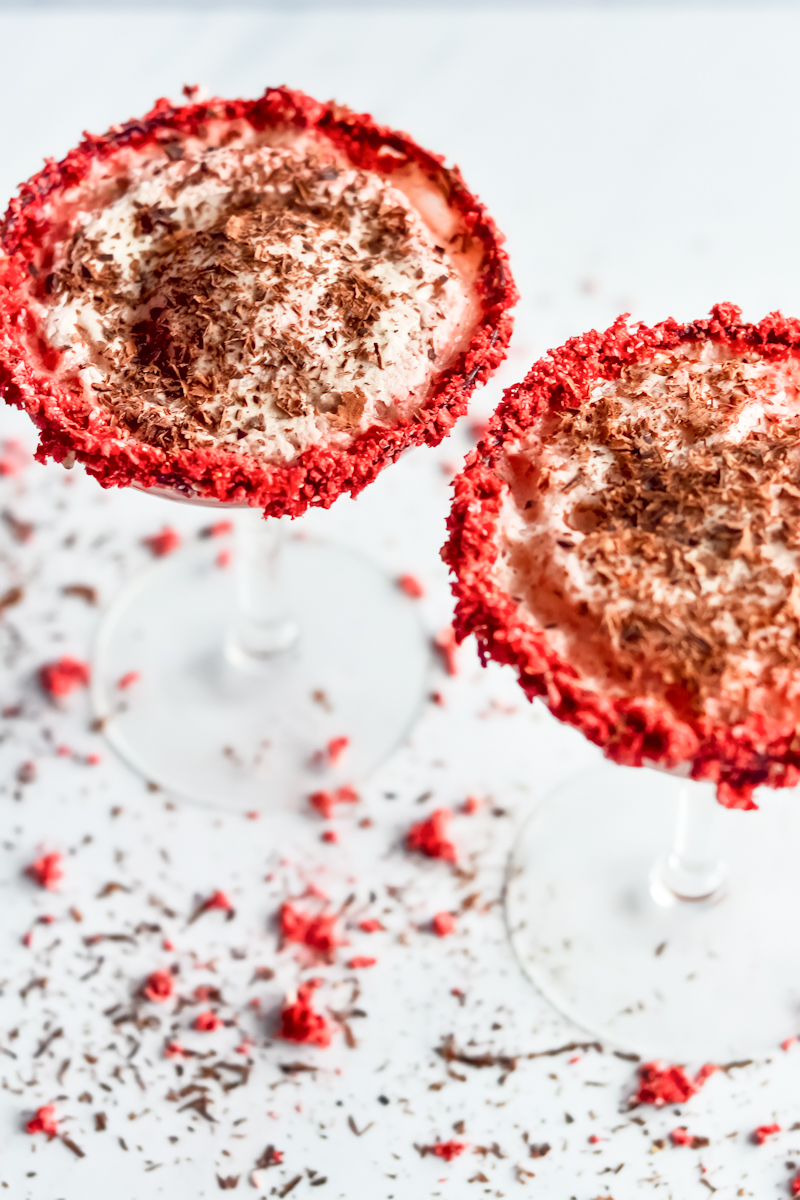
{"x": 654, "y": 533}
{"x": 255, "y": 297}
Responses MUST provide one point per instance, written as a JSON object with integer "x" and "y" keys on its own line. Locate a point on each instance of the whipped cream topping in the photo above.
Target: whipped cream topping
{"x": 261, "y": 298}
{"x": 654, "y": 534}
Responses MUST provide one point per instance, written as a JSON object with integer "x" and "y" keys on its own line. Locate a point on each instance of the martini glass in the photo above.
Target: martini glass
{"x": 252, "y": 661}
{"x": 299, "y": 664}
{"x": 654, "y": 916}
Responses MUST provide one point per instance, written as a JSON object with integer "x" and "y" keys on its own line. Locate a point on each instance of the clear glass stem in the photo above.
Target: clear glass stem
{"x": 691, "y": 871}
{"x": 262, "y": 626}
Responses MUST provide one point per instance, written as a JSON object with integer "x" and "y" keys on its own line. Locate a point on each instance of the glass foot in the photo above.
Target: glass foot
{"x": 596, "y": 926}
{"x": 185, "y": 711}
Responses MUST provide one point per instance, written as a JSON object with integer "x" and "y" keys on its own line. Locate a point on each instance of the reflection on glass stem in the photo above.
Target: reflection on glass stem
{"x": 262, "y": 627}
{"x": 691, "y": 871}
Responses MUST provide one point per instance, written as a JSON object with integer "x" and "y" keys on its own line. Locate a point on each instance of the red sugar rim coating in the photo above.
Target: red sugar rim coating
{"x": 319, "y": 474}
{"x": 634, "y": 731}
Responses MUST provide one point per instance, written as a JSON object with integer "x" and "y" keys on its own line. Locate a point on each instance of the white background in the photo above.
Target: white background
{"x": 638, "y": 160}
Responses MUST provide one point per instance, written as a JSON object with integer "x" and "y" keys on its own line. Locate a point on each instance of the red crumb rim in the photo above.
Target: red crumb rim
{"x": 633, "y": 731}
{"x": 319, "y": 474}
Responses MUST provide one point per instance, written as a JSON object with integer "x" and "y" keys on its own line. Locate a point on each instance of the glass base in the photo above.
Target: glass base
{"x": 200, "y": 722}
{"x": 595, "y": 928}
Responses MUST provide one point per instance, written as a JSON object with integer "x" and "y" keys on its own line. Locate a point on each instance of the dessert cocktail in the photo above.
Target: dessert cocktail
{"x": 627, "y": 538}
{"x": 255, "y": 304}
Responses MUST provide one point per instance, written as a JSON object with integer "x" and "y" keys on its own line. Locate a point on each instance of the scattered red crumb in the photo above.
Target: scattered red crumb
{"x": 446, "y": 646}
{"x": 175, "y": 1050}
{"x": 63, "y": 751}
{"x": 330, "y": 835}
{"x": 255, "y": 1002}
{"x": 271, "y": 1157}
{"x": 660, "y": 1085}
{"x": 299, "y": 1021}
{"x": 478, "y": 427}
{"x": 429, "y": 837}
{"x": 27, "y": 938}
{"x": 443, "y": 924}
{"x": 244, "y": 1046}
{"x": 128, "y": 679}
{"x": 575, "y": 1058}
{"x": 360, "y": 961}
{"x": 223, "y": 559}
{"x": 787, "y": 1042}
{"x": 323, "y": 801}
{"x": 167, "y": 945}
{"x": 13, "y": 457}
{"x": 216, "y": 900}
{"x": 253, "y": 816}
{"x": 336, "y": 748}
{"x": 794, "y": 1186}
{"x": 448, "y": 468}
{"x": 680, "y": 1137}
{"x": 447, "y": 1150}
{"x": 371, "y": 925}
{"x": 46, "y": 871}
{"x": 316, "y": 930}
{"x": 93, "y": 759}
{"x": 470, "y": 806}
{"x": 761, "y": 1134}
{"x": 45, "y": 919}
{"x": 207, "y": 1022}
{"x": 160, "y": 544}
{"x": 158, "y": 986}
{"x": 594, "y": 1139}
{"x": 64, "y": 676}
{"x": 437, "y": 698}
{"x": 44, "y": 1121}
{"x": 411, "y": 586}
{"x": 218, "y": 529}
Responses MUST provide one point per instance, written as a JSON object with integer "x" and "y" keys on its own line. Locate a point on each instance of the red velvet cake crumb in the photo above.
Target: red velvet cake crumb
{"x": 411, "y": 586}
{"x": 660, "y": 1085}
{"x": 323, "y": 801}
{"x": 680, "y": 1137}
{"x": 446, "y": 646}
{"x": 127, "y": 680}
{"x": 207, "y": 1022}
{"x": 447, "y": 1150}
{"x": 44, "y": 1121}
{"x": 316, "y": 930}
{"x": 761, "y": 1134}
{"x": 359, "y": 962}
{"x": 46, "y": 871}
{"x": 371, "y": 925}
{"x": 64, "y": 676}
{"x": 443, "y": 924}
{"x": 430, "y": 837}
{"x": 163, "y": 543}
{"x": 300, "y": 1023}
{"x": 158, "y": 986}
{"x": 217, "y": 900}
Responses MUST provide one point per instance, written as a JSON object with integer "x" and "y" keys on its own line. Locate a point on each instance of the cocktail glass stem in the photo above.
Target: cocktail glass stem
{"x": 262, "y": 627}
{"x": 691, "y": 870}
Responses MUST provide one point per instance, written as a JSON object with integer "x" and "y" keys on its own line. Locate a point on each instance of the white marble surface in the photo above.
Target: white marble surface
{"x": 637, "y": 160}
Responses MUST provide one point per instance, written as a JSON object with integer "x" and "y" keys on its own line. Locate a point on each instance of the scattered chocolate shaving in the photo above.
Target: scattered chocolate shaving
{"x": 290, "y": 1186}
{"x": 295, "y": 1068}
{"x": 83, "y": 591}
{"x": 47, "y": 1042}
{"x": 13, "y": 596}
{"x": 228, "y": 1183}
{"x": 358, "y": 1132}
{"x": 68, "y": 1142}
